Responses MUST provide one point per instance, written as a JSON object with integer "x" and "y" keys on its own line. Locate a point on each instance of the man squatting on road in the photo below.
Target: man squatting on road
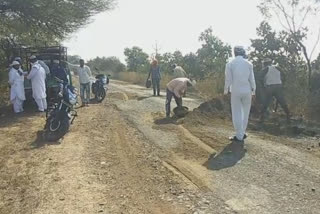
{"x": 240, "y": 82}
{"x": 176, "y": 88}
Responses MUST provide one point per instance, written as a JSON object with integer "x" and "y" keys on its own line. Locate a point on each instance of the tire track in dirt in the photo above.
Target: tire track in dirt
{"x": 102, "y": 165}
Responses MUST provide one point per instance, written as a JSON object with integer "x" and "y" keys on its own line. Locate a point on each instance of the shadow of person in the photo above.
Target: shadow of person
{"x": 40, "y": 141}
{"x": 166, "y": 121}
{"x": 94, "y": 101}
{"x": 143, "y": 98}
{"x": 229, "y": 157}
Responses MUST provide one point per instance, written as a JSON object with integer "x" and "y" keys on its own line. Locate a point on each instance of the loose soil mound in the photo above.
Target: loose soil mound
{"x": 118, "y": 96}
{"x": 216, "y": 105}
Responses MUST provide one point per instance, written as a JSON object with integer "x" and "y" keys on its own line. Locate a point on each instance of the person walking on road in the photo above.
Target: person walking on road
{"x": 155, "y": 74}
{"x": 176, "y": 89}
{"x": 273, "y": 88}
{"x": 240, "y": 82}
{"x": 37, "y": 76}
{"x": 16, "y": 81}
{"x": 85, "y": 76}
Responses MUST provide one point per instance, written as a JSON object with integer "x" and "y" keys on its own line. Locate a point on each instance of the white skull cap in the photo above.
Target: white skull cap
{"x": 15, "y": 63}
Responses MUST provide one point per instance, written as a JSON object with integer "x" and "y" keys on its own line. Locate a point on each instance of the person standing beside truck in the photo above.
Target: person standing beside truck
{"x": 16, "y": 81}
{"x": 37, "y": 76}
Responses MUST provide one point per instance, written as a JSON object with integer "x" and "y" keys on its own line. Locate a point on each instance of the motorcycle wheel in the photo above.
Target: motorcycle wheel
{"x": 56, "y": 129}
{"x": 100, "y": 95}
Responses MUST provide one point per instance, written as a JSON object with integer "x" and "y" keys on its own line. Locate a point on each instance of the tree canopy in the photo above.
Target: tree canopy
{"x": 296, "y": 18}
{"x": 106, "y": 64}
{"x": 46, "y": 21}
{"x": 136, "y": 59}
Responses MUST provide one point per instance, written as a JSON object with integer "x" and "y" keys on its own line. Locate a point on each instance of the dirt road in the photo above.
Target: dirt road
{"x": 122, "y": 157}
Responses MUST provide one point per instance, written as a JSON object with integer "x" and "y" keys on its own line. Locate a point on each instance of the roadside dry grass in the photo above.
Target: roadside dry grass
{"x": 208, "y": 87}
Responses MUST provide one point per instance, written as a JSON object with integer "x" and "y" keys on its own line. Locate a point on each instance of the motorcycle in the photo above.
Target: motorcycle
{"x": 99, "y": 87}
{"x": 61, "y": 113}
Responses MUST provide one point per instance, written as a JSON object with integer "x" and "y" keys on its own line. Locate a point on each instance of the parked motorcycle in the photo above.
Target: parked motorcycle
{"x": 61, "y": 113}
{"x": 99, "y": 87}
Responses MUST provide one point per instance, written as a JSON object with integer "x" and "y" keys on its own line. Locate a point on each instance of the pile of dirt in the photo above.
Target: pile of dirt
{"x": 219, "y": 105}
{"x": 118, "y": 96}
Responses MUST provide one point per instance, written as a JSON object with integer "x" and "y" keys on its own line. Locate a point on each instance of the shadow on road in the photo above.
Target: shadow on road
{"x": 143, "y": 98}
{"x": 8, "y": 117}
{"x": 166, "y": 121}
{"x": 229, "y": 157}
{"x": 40, "y": 142}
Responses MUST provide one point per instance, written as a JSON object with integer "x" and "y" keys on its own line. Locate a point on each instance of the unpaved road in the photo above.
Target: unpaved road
{"x": 122, "y": 157}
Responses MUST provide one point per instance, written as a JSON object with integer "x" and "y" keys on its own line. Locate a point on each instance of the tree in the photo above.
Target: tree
{"x": 74, "y": 59}
{"x": 166, "y": 61}
{"x": 214, "y": 53}
{"x": 286, "y": 54}
{"x": 136, "y": 59}
{"x": 294, "y": 17}
{"x": 105, "y": 65}
{"x": 280, "y": 47}
{"x": 35, "y": 21}
{"x": 316, "y": 64}
{"x": 192, "y": 65}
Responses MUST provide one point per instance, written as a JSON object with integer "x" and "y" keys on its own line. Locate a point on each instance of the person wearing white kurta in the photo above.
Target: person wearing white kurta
{"x": 240, "y": 81}
{"x": 179, "y": 72}
{"x": 16, "y": 81}
{"x": 37, "y": 76}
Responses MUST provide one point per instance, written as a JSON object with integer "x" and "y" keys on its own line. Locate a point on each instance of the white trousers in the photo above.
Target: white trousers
{"x": 42, "y": 104}
{"x": 17, "y": 105}
{"x": 240, "y": 105}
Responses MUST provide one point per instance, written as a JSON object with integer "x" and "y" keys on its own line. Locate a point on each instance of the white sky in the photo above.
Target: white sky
{"x": 174, "y": 24}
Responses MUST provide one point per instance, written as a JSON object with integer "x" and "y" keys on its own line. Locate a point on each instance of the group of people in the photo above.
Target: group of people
{"x": 38, "y": 74}
{"x": 176, "y": 88}
{"x": 240, "y": 83}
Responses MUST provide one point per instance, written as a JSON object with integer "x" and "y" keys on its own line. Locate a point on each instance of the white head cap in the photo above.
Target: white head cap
{"x": 33, "y": 57}
{"x": 15, "y": 63}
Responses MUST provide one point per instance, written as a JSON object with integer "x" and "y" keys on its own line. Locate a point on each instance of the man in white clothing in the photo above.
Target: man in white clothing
{"x": 240, "y": 81}
{"x": 16, "y": 81}
{"x": 178, "y": 71}
{"x": 85, "y": 74}
{"x": 37, "y": 76}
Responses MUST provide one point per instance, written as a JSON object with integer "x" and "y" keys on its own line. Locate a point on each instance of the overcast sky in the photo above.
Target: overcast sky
{"x": 173, "y": 24}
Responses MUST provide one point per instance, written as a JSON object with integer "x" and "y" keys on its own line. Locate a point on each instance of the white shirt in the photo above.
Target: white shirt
{"x": 84, "y": 74}
{"x": 17, "y": 84}
{"x": 239, "y": 77}
{"x": 37, "y": 76}
{"x": 273, "y": 77}
{"x": 179, "y": 72}
{"x": 178, "y": 86}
